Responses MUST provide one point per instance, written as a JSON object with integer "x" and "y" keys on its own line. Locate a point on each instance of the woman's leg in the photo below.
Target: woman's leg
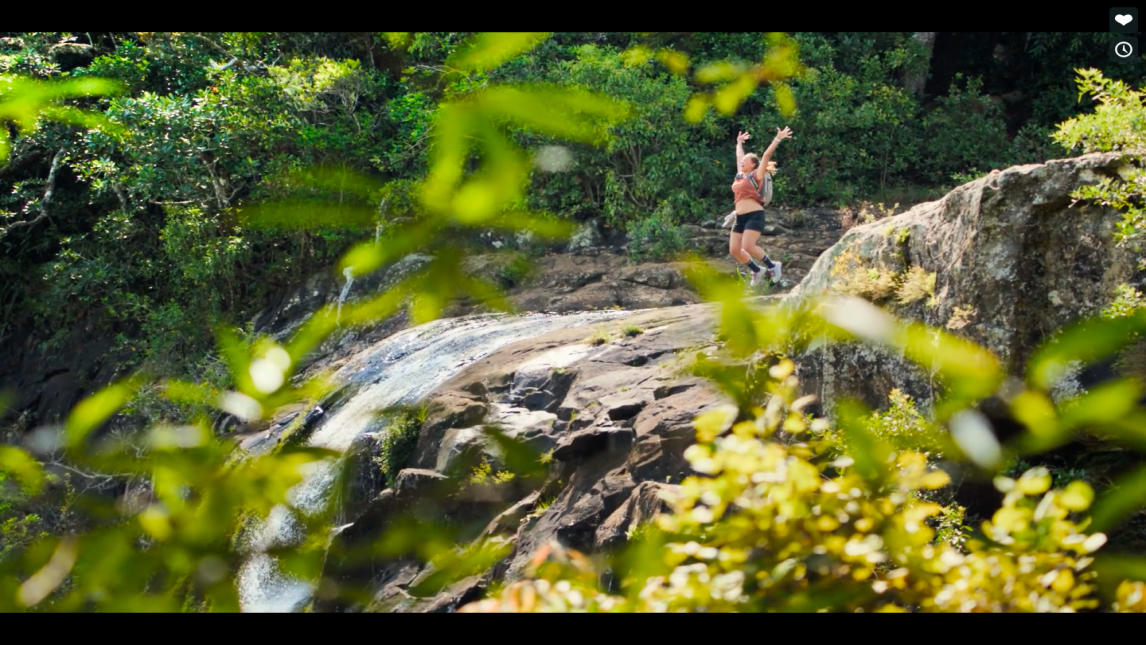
{"x": 735, "y": 248}
{"x": 749, "y": 248}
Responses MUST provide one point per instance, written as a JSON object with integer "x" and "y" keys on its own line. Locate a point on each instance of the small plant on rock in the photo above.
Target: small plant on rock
{"x": 599, "y": 337}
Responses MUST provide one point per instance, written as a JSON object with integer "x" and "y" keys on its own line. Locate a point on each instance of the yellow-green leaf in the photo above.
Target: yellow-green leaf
{"x": 728, "y": 98}
{"x": 307, "y": 214}
{"x": 1087, "y": 341}
{"x": 676, "y": 62}
{"x": 785, "y": 100}
{"x": 23, "y": 467}
{"x": 719, "y": 71}
{"x": 1125, "y": 496}
{"x": 1103, "y": 404}
{"x": 696, "y": 108}
{"x": 95, "y": 409}
{"x": 488, "y": 50}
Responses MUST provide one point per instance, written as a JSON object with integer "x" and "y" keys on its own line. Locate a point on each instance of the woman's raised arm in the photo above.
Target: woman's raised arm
{"x": 740, "y": 139}
{"x": 786, "y": 133}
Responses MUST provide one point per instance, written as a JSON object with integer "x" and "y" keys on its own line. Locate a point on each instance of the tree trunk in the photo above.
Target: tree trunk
{"x": 916, "y": 79}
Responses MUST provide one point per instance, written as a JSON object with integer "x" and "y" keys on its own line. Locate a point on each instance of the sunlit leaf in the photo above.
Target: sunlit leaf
{"x": 536, "y": 223}
{"x": 162, "y": 437}
{"x": 1125, "y": 496}
{"x": 23, "y": 467}
{"x": 486, "y": 293}
{"x": 785, "y": 100}
{"x": 711, "y": 424}
{"x": 1113, "y": 569}
{"x": 719, "y": 71}
{"x": 234, "y": 352}
{"x": 379, "y": 307}
{"x": 5, "y": 145}
{"x": 97, "y": 408}
{"x": 397, "y": 39}
{"x": 675, "y": 62}
{"x": 42, "y": 583}
{"x": 1085, "y": 342}
{"x": 307, "y": 214}
{"x": 728, "y": 98}
{"x": 333, "y": 179}
{"x": 736, "y": 321}
{"x": 477, "y": 201}
{"x": 635, "y": 56}
{"x": 305, "y": 564}
{"x": 696, "y": 108}
{"x": 1035, "y": 410}
{"x": 88, "y": 120}
{"x": 519, "y": 459}
{"x": 452, "y": 567}
{"x": 488, "y": 50}
{"x": 1129, "y": 430}
{"x": 24, "y": 101}
{"x": 972, "y": 369}
{"x": 451, "y": 142}
{"x": 1103, "y": 404}
{"x": 782, "y": 60}
{"x": 1078, "y": 496}
{"x": 185, "y": 392}
{"x": 871, "y": 454}
{"x": 569, "y": 113}
{"x": 369, "y": 256}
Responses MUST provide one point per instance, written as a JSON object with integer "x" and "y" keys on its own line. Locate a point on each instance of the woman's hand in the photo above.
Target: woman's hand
{"x": 786, "y": 133}
{"x": 742, "y": 137}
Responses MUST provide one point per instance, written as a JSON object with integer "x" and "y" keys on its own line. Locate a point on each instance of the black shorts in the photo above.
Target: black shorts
{"x": 753, "y": 221}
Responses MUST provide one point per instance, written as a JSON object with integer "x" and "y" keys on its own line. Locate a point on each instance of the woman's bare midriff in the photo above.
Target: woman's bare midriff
{"x": 745, "y": 206}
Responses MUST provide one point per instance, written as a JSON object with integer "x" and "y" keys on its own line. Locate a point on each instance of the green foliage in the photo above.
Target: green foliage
{"x": 484, "y": 474}
{"x": 1117, "y": 123}
{"x": 903, "y": 426}
{"x": 965, "y": 133}
{"x": 24, "y": 102}
{"x": 516, "y": 272}
{"x": 657, "y": 237}
{"x": 397, "y": 442}
{"x": 1127, "y": 300}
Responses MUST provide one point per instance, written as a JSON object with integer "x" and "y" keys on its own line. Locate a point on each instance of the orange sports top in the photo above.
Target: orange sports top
{"x": 742, "y": 189}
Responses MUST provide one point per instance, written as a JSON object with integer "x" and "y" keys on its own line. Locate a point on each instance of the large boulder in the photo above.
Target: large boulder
{"x": 1013, "y": 258}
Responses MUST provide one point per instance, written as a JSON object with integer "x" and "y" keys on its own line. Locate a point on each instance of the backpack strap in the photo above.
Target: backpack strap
{"x": 752, "y": 178}
{"x": 759, "y": 190}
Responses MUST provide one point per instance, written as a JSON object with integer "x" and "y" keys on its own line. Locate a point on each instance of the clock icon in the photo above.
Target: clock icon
{"x": 1123, "y": 49}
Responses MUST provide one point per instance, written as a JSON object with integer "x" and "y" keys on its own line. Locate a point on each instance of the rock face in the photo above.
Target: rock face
{"x": 610, "y": 421}
{"x": 1013, "y": 259}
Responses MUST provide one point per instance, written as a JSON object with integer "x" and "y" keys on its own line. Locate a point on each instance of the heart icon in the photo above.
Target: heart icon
{"x": 1123, "y": 18}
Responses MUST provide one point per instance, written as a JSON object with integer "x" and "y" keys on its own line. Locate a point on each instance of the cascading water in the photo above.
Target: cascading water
{"x": 349, "y": 274}
{"x": 400, "y": 370}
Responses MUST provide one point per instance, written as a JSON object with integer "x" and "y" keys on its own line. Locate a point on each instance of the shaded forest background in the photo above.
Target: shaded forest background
{"x": 136, "y": 238}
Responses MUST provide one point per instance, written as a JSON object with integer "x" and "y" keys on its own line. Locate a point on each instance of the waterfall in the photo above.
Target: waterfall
{"x": 349, "y": 273}
{"x": 400, "y": 370}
